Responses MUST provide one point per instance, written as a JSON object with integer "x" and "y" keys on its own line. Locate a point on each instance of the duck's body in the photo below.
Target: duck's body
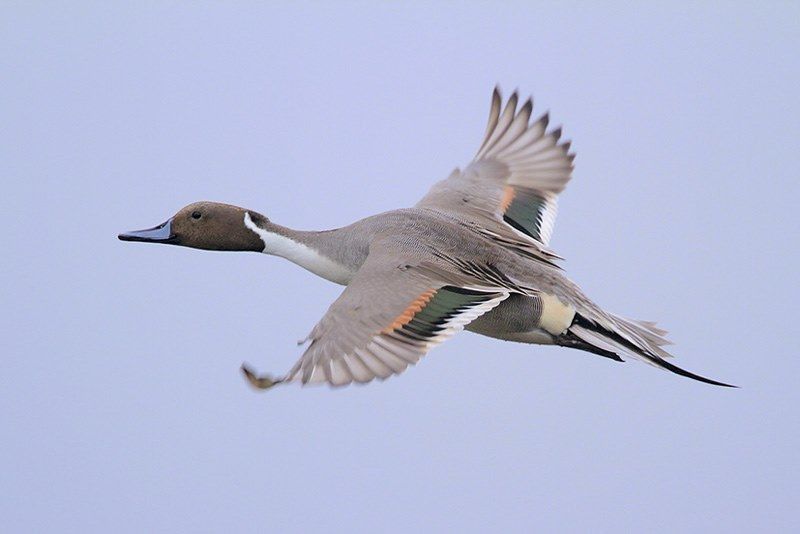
{"x": 471, "y": 254}
{"x": 337, "y": 255}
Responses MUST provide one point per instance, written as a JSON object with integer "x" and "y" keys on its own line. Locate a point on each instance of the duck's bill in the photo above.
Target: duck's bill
{"x": 158, "y": 234}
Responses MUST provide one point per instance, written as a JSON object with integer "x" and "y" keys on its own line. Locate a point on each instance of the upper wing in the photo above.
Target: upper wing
{"x": 512, "y": 184}
{"x": 386, "y": 319}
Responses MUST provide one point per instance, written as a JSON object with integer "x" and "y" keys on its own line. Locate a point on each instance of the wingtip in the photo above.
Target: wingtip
{"x": 545, "y": 119}
{"x": 527, "y": 107}
{"x": 497, "y": 96}
{"x": 565, "y": 147}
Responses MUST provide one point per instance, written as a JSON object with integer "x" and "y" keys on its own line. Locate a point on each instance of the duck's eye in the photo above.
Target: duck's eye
{"x": 196, "y": 215}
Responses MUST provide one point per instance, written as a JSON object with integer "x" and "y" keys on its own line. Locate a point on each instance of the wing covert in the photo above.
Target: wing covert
{"x": 386, "y": 319}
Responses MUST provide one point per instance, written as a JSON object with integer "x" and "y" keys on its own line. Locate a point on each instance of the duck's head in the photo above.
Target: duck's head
{"x": 207, "y": 226}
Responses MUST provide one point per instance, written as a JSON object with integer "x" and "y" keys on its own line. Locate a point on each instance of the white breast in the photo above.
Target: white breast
{"x": 302, "y": 255}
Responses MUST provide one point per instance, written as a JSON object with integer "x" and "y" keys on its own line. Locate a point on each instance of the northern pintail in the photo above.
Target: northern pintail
{"x": 473, "y": 253}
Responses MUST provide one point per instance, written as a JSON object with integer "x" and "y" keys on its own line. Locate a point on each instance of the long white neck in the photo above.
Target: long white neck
{"x": 278, "y": 244}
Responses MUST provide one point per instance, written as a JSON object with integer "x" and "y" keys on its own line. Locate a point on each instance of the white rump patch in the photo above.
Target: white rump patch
{"x": 556, "y": 316}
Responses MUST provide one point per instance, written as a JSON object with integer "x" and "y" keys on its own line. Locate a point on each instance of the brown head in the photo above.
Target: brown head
{"x": 205, "y": 225}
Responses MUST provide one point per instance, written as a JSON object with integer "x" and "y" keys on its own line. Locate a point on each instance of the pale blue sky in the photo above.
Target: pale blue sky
{"x": 121, "y": 404}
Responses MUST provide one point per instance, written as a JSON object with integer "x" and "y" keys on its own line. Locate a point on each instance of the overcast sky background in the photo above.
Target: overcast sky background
{"x": 121, "y": 404}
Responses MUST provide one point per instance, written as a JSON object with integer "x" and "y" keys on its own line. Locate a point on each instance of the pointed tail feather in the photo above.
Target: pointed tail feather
{"x": 640, "y": 340}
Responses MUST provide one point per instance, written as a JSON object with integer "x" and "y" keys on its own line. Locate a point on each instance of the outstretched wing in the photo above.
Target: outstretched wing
{"x": 386, "y": 319}
{"x": 512, "y": 185}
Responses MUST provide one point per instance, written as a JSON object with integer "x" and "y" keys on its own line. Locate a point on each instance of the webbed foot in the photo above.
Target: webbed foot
{"x": 262, "y": 382}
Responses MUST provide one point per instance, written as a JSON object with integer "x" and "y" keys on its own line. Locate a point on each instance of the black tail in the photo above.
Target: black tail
{"x": 634, "y": 339}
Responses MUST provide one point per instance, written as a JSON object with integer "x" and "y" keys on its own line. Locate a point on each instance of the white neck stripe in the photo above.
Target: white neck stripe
{"x": 299, "y": 253}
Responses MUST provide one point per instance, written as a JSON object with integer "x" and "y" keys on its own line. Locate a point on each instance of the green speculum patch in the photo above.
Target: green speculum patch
{"x": 525, "y": 213}
{"x": 447, "y": 303}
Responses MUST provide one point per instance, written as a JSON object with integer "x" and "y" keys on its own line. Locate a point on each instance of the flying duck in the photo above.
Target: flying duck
{"x": 472, "y": 254}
